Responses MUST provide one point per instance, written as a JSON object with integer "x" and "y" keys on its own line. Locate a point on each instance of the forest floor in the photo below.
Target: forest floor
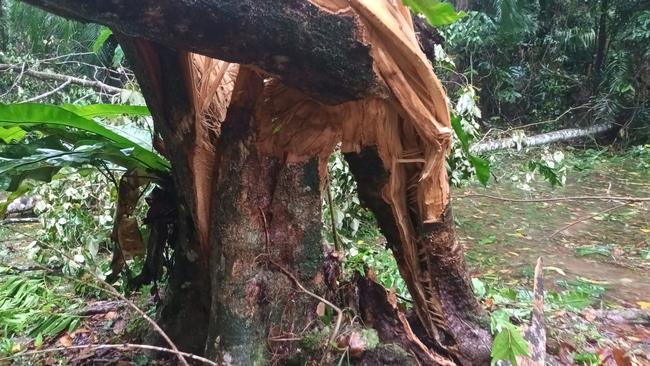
{"x": 596, "y": 256}
{"x": 596, "y": 253}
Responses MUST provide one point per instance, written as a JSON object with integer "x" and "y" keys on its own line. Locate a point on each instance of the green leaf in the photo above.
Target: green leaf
{"x": 498, "y": 319}
{"x": 508, "y": 344}
{"x": 479, "y": 287}
{"x": 593, "y": 249}
{"x": 66, "y": 137}
{"x": 587, "y": 358}
{"x": 107, "y": 110}
{"x": 488, "y": 240}
{"x": 118, "y": 57}
{"x": 38, "y": 342}
{"x": 460, "y": 133}
{"x": 481, "y": 166}
{"x": 547, "y": 172}
{"x": 438, "y": 13}
{"x": 34, "y": 116}
{"x": 101, "y": 39}
{"x": 11, "y": 134}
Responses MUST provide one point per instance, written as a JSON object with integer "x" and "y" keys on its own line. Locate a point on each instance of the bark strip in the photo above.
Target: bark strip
{"x": 162, "y": 73}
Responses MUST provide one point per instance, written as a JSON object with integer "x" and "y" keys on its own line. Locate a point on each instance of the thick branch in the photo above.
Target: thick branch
{"x": 61, "y": 77}
{"x": 294, "y": 39}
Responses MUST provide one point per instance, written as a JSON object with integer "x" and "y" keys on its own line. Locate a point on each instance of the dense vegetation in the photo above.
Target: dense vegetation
{"x": 557, "y": 62}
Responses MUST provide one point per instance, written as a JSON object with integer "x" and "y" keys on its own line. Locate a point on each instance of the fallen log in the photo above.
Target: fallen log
{"x": 541, "y": 139}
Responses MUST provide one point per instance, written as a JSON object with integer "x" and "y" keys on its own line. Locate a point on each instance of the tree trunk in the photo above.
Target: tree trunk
{"x": 266, "y": 215}
{"x": 601, "y": 44}
{"x": 3, "y": 26}
{"x": 247, "y": 159}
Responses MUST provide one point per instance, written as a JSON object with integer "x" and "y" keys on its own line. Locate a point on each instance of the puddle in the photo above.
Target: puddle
{"x": 612, "y": 249}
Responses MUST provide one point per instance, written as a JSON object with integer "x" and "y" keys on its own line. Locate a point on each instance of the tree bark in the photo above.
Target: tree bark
{"x": 187, "y": 302}
{"x": 265, "y": 213}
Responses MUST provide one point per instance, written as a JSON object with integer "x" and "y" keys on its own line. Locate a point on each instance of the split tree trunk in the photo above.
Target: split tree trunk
{"x": 463, "y": 326}
{"x": 247, "y": 217}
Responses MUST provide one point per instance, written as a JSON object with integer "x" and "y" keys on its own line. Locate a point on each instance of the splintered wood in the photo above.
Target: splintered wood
{"x": 212, "y": 86}
{"x": 407, "y": 120}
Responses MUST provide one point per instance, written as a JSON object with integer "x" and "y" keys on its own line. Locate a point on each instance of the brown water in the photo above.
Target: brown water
{"x": 611, "y": 249}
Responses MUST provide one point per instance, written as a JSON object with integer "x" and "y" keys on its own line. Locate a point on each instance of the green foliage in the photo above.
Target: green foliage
{"x": 534, "y": 62}
{"x": 515, "y": 305}
{"x": 462, "y": 165}
{"x": 48, "y": 43}
{"x": 36, "y": 32}
{"x": 480, "y": 165}
{"x": 508, "y": 344}
{"x": 104, "y": 33}
{"x": 76, "y": 211}
{"x": 376, "y": 257}
{"x": 357, "y": 230}
{"x": 551, "y": 165}
{"x": 586, "y": 359}
{"x": 437, "y": 13}
{"x": 118, "y": 54}
{"x": 351, "y": 221}
{"x": 546, "y": 171}
{"x": 54, "y": 137}
{"x": 30, "y": 305}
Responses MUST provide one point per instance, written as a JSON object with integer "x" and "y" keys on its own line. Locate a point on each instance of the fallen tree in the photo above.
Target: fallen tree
{"x": 249, "y": 99}
{"x": 542, "y": 139}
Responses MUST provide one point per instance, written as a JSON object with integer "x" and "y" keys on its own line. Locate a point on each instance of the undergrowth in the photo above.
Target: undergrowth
{"x": 36, "y": 306}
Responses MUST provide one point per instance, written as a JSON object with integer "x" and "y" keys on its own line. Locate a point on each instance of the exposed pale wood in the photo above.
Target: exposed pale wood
{"x": 535, "y": 333}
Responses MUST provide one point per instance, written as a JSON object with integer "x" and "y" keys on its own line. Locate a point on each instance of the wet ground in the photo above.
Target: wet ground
{"x": 596, "y": 253}
{"x": 601, "y": 242}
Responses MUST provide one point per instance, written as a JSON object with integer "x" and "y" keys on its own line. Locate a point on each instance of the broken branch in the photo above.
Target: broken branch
{"x": 61, "y": 77}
